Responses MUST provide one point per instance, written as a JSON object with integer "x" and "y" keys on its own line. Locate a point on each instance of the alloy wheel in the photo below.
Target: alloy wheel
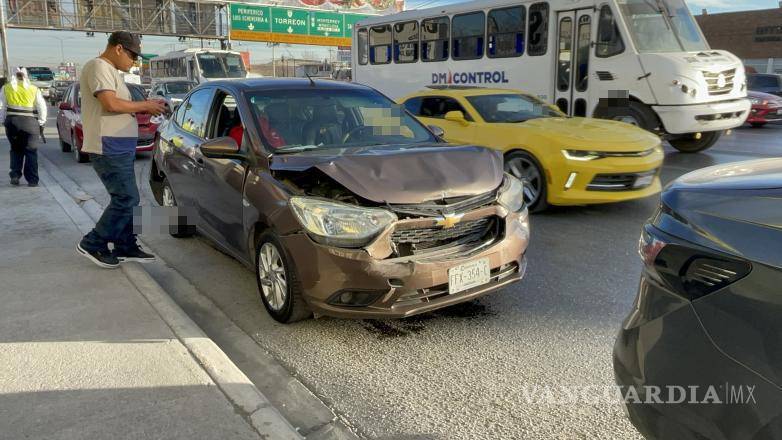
{"x": 271, "y": 273}
{"x": 168, "y": 196}
{"x": 525, "y": 170}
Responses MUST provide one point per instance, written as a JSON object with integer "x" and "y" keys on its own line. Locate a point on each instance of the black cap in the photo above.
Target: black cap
{"x": 131, "y": 42}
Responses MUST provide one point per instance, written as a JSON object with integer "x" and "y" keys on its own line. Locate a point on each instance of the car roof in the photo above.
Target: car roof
{"x": 466, "y": 91}
{"x": 285, "y": 83}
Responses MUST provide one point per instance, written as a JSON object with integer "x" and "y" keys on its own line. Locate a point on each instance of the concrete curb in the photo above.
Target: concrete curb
{"x": 236, "y": 386}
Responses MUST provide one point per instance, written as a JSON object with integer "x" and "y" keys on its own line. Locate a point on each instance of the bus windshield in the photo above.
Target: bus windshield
{"x": 511, "y": 108}
{"x": 662, "y": 26}
{"x": 221, "y": 65}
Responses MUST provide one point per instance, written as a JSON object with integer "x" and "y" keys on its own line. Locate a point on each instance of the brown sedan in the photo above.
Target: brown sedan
{"x": 343, "y": 203}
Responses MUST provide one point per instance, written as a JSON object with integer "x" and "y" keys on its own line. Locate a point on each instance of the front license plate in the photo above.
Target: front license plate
{"x": 779, "y": 112}
{"x": 644, "y": 181}
{"x": 468, "y": 275}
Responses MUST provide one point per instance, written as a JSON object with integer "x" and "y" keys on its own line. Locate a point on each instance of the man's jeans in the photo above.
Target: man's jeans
{"x": 116, "y": 224}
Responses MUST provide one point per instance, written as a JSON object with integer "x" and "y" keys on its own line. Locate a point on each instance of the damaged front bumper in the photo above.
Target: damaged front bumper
{"x": 397, "y": 287}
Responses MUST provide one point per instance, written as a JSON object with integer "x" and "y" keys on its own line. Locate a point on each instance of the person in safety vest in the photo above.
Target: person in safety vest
{"x": 23, "y": 112}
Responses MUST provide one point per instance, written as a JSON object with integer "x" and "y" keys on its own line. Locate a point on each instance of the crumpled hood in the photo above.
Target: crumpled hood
{"x": 592, "y": 134}
{"x": 403, "y": 174}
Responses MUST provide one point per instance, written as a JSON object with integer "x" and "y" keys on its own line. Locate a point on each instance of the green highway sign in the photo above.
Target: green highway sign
{"x": 290, "y": 21}
{"x": 292, "y": 25}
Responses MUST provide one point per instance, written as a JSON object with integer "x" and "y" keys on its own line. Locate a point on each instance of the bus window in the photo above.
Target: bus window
{"x": 434, "y": 39}
{"x": 565, "y": 54}
{"x": 362, "y": 46}
{"x": 468, "y": 36}
{"x": 380, "y": 44}
{"x": 609, "y": 41}
{"x": 406, "y": 42}
{"x": 506, "y": 32}
{"x": 582, "y": 52}
{"x": 537, "y": 44}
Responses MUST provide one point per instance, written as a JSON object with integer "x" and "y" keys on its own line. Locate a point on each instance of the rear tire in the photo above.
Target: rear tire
{"x": 688, "y": 143}
{"x": 182, "y": 230}
{"x": 64, "y": 146}
{"x": 526, "y": 168}
{"x": 78, "y": 156}
{"x": 278, "y": 286}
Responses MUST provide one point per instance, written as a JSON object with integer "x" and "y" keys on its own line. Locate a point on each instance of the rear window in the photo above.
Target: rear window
{"x": 763, "y": 81}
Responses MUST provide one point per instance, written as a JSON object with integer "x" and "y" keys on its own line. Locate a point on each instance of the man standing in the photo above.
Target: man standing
{"x": 19, "y": 102}
{"x": 110, "y": 136}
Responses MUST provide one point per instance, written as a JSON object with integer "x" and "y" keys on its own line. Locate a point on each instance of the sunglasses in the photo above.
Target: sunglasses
{"x": 133, "y": 56}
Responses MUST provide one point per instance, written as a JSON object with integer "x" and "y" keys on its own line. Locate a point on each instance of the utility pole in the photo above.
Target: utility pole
{"x": 4, "y": 38}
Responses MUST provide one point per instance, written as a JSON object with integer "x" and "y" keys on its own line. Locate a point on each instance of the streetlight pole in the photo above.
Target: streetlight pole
{"x": 4, "y": 38}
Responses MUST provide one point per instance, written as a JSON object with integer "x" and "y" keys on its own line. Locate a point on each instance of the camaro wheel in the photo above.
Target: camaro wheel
{"x": 689, "y": 144}
{"x": 526, "y": 168}
{"x": 182, "y": 230}
{"x": 279, "y": 288}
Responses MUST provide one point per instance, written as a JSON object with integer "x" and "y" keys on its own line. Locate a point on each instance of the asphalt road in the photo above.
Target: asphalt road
{"x": 461, "y": 373}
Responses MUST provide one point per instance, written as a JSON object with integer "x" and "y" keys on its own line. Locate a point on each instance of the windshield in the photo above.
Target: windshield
{"x": 662, "y": 26}
{"x": 763, "y": 81}
{"x": 39, "y": 74}
{"x": 510, "y": 108}
{"x": 178, "y": 88}
{"x": 221, "y": 65}
{"x": 304, "y": 119}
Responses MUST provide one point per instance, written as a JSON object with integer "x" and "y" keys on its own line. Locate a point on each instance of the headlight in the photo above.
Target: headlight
{"x": 757, "y": 101}
{"x": 511, "y": 194}
{"x": 581, "y": 155}
{"x": 338, "y": 224}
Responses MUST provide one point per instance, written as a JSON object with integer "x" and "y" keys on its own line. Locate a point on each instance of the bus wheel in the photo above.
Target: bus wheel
{"x": 690, "y": 144}
{"x": 636, "y": 114}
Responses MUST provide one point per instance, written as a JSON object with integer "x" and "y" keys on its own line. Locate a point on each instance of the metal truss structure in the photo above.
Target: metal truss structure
{"x": 192, "y": 19}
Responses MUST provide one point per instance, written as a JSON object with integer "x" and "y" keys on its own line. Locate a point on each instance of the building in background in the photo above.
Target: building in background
{"x": 754, "y": 36}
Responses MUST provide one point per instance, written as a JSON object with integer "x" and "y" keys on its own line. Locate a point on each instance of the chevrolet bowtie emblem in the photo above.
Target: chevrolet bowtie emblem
{"x": 449, "y": 220}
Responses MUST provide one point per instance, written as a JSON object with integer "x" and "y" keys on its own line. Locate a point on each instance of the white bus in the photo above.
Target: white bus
{"x": 644, "y": 62}
{"x": 197, "y": 65}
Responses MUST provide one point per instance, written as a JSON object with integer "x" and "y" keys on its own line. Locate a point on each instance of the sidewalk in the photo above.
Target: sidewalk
{"x": 86, "y": 354}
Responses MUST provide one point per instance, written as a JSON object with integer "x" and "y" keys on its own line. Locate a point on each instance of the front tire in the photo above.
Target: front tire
{"x": 689, "y": 144}
{"x": 179, "y": 230}
{"x": 757, "y": 124}
{"x": 526, "y": 168}
{"x": 277, "y": 283}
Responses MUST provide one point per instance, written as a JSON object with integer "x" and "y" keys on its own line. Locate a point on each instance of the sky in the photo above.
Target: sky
{"x": 48, "y": 48}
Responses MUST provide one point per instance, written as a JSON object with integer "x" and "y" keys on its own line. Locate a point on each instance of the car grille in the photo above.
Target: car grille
{"x": 621, "y": 182}
{"x": 433, "y": 209}
{"x": 713, "y": 81}
{"x": 425, "y": 238}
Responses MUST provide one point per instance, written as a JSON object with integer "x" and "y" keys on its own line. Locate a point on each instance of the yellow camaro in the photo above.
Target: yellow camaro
{"x": 561, "y": 160}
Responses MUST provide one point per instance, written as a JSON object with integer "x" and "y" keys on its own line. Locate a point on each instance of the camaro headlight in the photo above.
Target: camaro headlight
{"x": 581, "y": 155}
{"x": 511, "y": 194}
{"x": 339, "y": 224}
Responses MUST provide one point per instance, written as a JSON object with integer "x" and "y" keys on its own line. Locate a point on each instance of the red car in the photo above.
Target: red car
{"x": 765, "y": 108}
{"x": 70, "y": 130}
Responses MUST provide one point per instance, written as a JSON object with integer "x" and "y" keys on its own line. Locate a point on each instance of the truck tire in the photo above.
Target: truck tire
{"x": 635, "y": 113}
{"x": 278, "y": 286}
{"x": 688, "y": 143}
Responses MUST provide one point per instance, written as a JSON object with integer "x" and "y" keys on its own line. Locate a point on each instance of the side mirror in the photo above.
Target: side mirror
{"x": 65, "y": 106}
{"x": 222, "y": 148}
{"x": 437, "y": 131}
{"x": 456, "y": 116}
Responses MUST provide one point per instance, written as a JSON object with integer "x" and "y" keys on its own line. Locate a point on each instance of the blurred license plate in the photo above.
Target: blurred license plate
{"x": 644, "y": 181}
{"x": 779, "y": 112}
{"x": 468, "y": 275}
